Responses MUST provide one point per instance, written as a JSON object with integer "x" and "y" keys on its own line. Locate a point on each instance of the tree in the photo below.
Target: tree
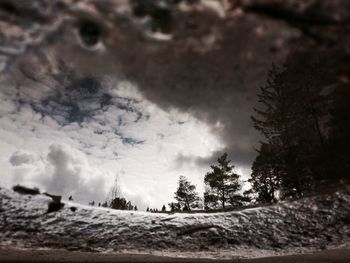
{"x": 339, "y": 126}
{"x": 291, "y": 116}
{"x": 266, "y": 174}
{"x": 174, "y": 207}
{"x": 114, "y": 191}
{"x": 119, "y": 203}
{"x": 115, "y": 201}
{"x": 163, "y": 208}
{"x": 147, "y": 209}
{"x": 129, "y": 206}
{"x": 186, "y": 194}
{"x": 221, "y": 183}
{"x": 135, "y": 208}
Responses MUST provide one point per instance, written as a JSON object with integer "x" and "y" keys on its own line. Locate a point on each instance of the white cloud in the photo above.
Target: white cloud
{"x": 20, "y": 158}
{"x": 131, "y": 137}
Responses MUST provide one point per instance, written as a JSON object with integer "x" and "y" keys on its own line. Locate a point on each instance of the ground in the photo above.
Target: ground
{"x": 309, "y": 225}
{"x": 19, "y": 256}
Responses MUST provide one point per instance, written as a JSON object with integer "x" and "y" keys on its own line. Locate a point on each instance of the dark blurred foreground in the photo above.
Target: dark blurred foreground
{"x": 19, "y": 256}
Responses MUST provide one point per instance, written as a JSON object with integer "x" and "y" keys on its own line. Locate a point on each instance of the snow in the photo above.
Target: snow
{"x": 302, "y": 226}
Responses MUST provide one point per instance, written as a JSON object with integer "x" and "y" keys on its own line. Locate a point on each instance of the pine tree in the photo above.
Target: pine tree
{"x": 186, "y": 194}
{"x": 266, "y": 174}
{"x": 129, "y": 206}
{"x": 291, "y": 121}
{"x": 222, "y": 184}
{"x": 339, "y": 133}
{"x": 163, "y": 208}
{"x": 119, "y": 203}
{"x": 174, "y": 206}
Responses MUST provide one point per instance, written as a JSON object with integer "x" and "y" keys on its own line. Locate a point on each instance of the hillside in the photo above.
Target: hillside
{"x": 306, "y": 225}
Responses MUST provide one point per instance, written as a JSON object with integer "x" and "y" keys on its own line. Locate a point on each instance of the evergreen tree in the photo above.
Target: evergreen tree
{"x": 186, "y": 208}
{"x": 339, "y": 134}
{"x": 293, "y": 108}
{"x": 119, "y": 203}
{"x": 163, "y": 208}
{"x": 129, "y": 206}
{"x": 115, "y": 201}
{"x": 147, "y": 209}
{"x": 174, "y": 207}
{"x": 266, "y": 174}
{"x": 186, "y": 194}
{"x": 222, "y": 184}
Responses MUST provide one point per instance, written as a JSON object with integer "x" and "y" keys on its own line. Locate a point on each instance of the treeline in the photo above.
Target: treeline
{"x": 222, "y": 190}
{"x": 304, "y": 119}
{"x": 116, "y": 201}
{"x": 304, "y": 116}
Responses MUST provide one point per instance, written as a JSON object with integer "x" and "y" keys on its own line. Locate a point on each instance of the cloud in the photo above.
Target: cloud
{"x": 67, "y": 169}
{"x": 63, "y": 170}
{"x": 20, "y": 158}
{"x": 217, "y": 85}
{"x": 68, "y": 172}
{"x": 128, "y": 136}
{"x": 164, "y": 109}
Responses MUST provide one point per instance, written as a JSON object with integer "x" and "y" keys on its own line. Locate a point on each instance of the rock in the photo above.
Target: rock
{"x": 55, "y": 198}
{"x": 55, "y": 204}
{"x": 73, "y": 209}
{"x": 25, "y": 190}
{"x": 54, "y": 207}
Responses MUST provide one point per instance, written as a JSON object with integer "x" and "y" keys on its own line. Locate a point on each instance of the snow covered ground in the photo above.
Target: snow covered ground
{"x": 306, "y": 225}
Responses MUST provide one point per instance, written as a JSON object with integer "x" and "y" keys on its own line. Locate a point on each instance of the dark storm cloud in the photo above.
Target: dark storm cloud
{"x": 210, "y": 69}
{"x": 239, "y": 157}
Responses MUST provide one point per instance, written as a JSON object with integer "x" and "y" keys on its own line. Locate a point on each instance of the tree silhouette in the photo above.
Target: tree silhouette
{"x": 221, "y": 183}
{"x": 339, "y": 125}
{"x": 186, "y": 194}
{"x": 163, "y": 208}
{"x": 115, "y": 201}
{"x": 295, "y": 105}
{"x": 266, "y": 174}
{"x": 174, "y": 207}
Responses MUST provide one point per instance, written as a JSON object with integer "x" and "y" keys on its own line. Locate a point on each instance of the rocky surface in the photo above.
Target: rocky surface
{"x": 310, "y": 224}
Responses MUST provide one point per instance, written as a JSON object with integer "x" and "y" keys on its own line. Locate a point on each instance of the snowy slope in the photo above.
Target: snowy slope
{"x": 291, "y": 227}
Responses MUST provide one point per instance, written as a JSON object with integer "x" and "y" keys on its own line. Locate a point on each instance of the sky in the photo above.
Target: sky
{"x": 73, "y": 119}
{"x": 45, "y": 144}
